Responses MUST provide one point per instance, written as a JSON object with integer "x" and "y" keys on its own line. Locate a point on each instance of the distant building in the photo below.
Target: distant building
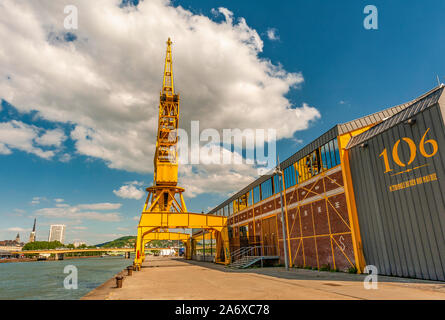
{"x": 32, "y": 236}
{"x": 11, "y": 245}
{"x": 57, "y": 233}
{"x": 78, "y": 243}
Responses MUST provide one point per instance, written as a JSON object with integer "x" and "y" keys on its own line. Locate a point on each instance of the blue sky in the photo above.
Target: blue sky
{"x": 348, "y": 72}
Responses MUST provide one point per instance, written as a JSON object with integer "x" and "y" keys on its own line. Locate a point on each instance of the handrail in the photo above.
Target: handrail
{"x": 250, "y": 251}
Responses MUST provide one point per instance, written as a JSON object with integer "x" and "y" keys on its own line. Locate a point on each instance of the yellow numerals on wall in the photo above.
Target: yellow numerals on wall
{"x": 412, "y": 150}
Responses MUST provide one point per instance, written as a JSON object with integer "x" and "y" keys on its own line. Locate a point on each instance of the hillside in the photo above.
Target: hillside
{"x": 122, "y": 242}
{"x": 128, "y": 241}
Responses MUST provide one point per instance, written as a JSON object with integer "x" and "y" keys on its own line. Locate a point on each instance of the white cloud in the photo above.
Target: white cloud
{"x": 66, "y": 157}
{"x": 106, "y": 83}
{"x": 58, "y": 200}
{"x": 100, "y": 206}
{"x": 272, "y": 34}
{"x": 18, "y": 135}
{"x": 51, "y": 138}
{"x": 17, "y": 229}
{"x": 217, "y": 178}
{"x": 130, "y": 190}
{"x": 82, "y": 211}
{"x": 37, "y": 200}
{"x": 79, "y": 228}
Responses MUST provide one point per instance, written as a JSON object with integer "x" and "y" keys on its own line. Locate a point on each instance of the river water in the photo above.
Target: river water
{"x": 44, "y": 279}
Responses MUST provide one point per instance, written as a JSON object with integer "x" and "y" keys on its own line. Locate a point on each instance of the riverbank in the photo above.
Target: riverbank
{"x": 178, "y": 279}
{"x": 44, "y": 280}
{"x": 18, "y": 260}
{"x": 101, "y": 292}
{"x": 35, "y": 259}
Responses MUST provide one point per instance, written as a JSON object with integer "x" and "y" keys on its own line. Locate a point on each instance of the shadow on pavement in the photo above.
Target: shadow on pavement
{"x": 305, "y": 274}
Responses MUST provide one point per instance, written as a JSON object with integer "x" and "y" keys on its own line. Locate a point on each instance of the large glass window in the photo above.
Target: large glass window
{"x": 330, "y": 154}
{"x": 323, "y": 157}
{"x": 244, "y": 201}
{"x": 266, "y": 189}
{"x": 337, "y": 153}
{"x": 256, "y": 194}
{"x": 315, "y": 162}
{"x": 289, "y": 176}
{"x": 235, "y": 206}
{"x": 276, "y": 183}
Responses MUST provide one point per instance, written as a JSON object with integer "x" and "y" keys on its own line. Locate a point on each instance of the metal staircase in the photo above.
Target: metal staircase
{"x": 247, "y": 256}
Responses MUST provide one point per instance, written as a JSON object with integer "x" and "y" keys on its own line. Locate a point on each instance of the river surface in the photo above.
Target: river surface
{"x": 45, "y": 279}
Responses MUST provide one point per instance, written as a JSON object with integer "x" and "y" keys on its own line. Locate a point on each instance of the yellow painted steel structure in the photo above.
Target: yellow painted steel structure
{"x": 163, "y": 210}
{"x": 350, "y": 198}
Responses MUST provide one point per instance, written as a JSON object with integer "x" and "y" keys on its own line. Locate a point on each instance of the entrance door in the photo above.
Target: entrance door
{"x": 270, "y": 242}
{"x": 243, "y": 236}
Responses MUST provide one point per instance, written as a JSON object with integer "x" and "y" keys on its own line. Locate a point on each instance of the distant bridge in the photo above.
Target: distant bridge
{"x": 55, "y": 251}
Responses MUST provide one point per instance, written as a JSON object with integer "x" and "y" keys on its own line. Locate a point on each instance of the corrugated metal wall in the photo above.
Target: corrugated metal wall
{"x": 403, "y": 226}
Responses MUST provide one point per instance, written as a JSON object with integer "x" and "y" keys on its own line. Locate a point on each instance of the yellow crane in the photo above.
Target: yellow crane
{"x": 163, "y": 210}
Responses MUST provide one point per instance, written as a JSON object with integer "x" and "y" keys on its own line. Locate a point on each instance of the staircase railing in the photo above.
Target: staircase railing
{"x": 252, "y": 251}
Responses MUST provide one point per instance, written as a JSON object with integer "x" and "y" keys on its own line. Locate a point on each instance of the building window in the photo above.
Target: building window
{"x": 276, "y": 183}
{"x": 235, "y": 206}
{"x": 330, "y": 154}
{"x": 256, "y": 194}
{"x": 244, "y": 201}
{"x": 289, "y": 176}
{"x": 229, "y": 207}
{"x": 337, "y": 152}
{"x": 266, "y": 189}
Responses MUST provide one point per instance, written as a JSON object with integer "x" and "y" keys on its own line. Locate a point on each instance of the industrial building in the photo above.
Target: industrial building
{"x": 347, "y": 205}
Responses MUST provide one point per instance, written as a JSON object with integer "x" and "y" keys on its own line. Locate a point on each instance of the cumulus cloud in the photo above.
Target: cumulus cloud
{"x": 83, "y": 211}
{"x": 21, "y": 136}
{"x": 130, "y": 190}
{"x": 105, "y": 80}
{"x": 51, "y": 138}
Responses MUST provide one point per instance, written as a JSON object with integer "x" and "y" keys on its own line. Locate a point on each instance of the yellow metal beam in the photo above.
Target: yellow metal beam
{"x": 166, "y": 236}
{"x": 181, "y": 220}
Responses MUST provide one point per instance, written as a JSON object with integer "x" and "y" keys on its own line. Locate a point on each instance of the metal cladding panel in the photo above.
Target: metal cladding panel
{"x": 402, "y": 212}
{"x": 420, "y": 104}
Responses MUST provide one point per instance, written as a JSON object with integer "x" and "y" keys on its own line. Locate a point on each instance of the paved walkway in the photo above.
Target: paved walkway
{"x": 178, "y": 279}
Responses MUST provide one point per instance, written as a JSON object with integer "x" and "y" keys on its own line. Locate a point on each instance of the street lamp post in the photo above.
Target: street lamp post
{"x": 283, "y": 221}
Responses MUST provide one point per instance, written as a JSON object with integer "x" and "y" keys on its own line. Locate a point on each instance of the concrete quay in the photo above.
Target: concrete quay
{"x": 178, "y": 279}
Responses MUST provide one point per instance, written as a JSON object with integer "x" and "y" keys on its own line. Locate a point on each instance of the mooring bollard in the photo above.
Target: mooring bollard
{"x": 130, "y": 270}
{"x": 119, "y": 281}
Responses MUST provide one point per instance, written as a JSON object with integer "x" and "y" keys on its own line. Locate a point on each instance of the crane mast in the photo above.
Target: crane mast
{"x": 165, "y": 159}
